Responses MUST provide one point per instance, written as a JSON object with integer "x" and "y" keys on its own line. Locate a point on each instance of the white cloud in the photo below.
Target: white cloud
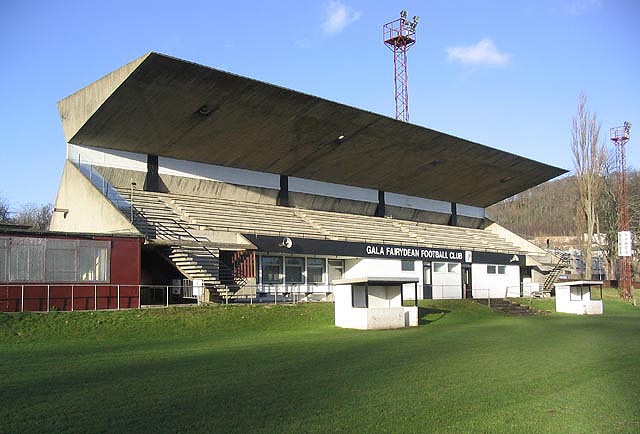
{"x": 337, "y": 17}
{"x": 578, "y": 7}
{"x": 482, "y": 53}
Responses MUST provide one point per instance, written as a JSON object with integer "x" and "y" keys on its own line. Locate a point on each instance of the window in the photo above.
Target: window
{"x": 496, "y": 269}
{"x": 29, "y": 259}
{"x": 293, "y": 269}
{"x": 315, "y": 270}
{"x": 336, "y": 269}
{"x": 576, "y": 293}
{"x": 4, "y": 259}
{"x": 271, "y": 269}
{"x": 26, "y": 260}
{"x": 61, "y": 260}
{"x": 408, "y": 266}
{"x": 446, "y": 267}
{"x": 426, "y": 273}
{"x": 358, "y": 296}
{"x": 94, "y": 260}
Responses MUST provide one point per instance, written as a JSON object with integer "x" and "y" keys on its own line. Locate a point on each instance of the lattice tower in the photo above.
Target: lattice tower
{"x": 400, "y": 35}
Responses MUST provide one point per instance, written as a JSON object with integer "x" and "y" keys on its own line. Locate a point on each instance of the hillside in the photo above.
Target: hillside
{"x": 549, "y": 210}
{"x": 546, "y": 210}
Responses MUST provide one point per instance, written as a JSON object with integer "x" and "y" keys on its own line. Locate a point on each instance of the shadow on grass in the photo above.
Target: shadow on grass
{"x": 428, "y": 315}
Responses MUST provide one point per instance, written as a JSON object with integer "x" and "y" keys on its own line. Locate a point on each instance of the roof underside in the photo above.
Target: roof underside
{"x": 164, "y": 106}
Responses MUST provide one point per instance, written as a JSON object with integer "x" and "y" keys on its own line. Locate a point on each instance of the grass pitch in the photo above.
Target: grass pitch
{"x": 287, "y": 369}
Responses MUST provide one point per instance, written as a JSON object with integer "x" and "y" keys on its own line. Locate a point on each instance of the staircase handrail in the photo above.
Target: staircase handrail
{"x": 232, "y": 273}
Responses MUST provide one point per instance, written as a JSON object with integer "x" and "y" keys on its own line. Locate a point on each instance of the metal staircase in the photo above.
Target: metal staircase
{"x": 563, "y": 262}
{"x": 189, "y": 254}
{"x": 199, "y": 263}
{"x": 160, "y": 223}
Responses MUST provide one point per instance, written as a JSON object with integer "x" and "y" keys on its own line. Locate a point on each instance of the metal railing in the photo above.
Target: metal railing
{"x": 281, "y": 293}
{"x": 47, "y": 297}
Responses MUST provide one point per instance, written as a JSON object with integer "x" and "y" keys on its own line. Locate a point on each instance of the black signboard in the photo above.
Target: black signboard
{"x": 308, "y": 246}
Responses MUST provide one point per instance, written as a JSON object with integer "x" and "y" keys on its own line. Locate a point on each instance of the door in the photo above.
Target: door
{"x": 466, "y": 281}
{"x": 427, "y": 291}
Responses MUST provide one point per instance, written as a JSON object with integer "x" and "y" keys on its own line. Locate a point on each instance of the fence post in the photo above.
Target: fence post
{"x": 139, "y": 295}
{"x": 118, "y": 296}
{"x": 48, "y": 298}
{"x": 167, "y": 296}
{"x": 275, "y": 297}
{"x": 22, "y": 300}
{"x": 95, "y": 297}
{"x": 71, "y": 297}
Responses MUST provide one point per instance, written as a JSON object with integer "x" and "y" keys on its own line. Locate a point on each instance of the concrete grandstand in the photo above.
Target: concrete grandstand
{"x": 243, "y": 188}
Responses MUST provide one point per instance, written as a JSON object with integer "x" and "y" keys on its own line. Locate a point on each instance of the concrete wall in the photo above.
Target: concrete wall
{"x": 326, "y": 203}
{"x": 516, "y": 240}
{"x": 89, "y": 211}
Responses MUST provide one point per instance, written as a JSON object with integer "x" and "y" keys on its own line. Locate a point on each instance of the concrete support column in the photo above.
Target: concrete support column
{"x": 152, "y": 179}
{"x": 453, "y": 220}
{"x": 381, "y": 208}
{"x": 283, "y": 194}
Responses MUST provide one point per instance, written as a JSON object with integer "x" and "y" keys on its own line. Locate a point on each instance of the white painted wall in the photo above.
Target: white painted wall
{"x": 413, "y": 202}
{"x": 470, "y": 211}
{"x": 380, "y": 268}
{"x": 569, "y": 300}
{"x": 345, "y": 315}
{"x": 495, "y": 285}
{"x": 446, "y": 285}
{"x": 386, "y": 268}
{"x": 190, "y": 169}
{"x": 170, "y": 166}
{"x": 384, "y": 312}
{"x": 106, "y": 157}
{"x": 301, "y": 185}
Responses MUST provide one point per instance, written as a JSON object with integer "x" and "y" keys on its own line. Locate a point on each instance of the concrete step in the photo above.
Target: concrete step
{"x": 508, "y": 307}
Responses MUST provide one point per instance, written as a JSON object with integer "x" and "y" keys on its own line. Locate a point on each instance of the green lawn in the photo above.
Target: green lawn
{"x": 287, "y": 369}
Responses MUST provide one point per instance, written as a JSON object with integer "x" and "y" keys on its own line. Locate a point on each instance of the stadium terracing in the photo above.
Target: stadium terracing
{"x": 236, "y": 183}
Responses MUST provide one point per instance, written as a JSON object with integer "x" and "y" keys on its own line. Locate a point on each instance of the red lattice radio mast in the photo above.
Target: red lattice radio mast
{"x": 620, "y": 137}
{"x": 400, "y": 35}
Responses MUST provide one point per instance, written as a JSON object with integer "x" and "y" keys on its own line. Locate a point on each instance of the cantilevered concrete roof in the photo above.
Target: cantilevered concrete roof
{"x": 165, "y": 106}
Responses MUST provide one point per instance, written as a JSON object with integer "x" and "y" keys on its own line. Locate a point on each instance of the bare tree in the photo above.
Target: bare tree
{"x": 589, "y": 158}
{"x": 36, "y": 216}
{"x": 4, "y": 211}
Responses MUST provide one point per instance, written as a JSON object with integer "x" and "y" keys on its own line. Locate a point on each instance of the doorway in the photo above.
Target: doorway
{"x": 467, "y": 291}
{"x": 427, "y": 288}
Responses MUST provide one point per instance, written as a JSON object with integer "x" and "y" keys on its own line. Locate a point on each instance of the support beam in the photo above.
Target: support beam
{"x": 283, "y": 194}
{"x": 381, "y": 208}
{"x": 453, "y": 220}
{"x": 152, "y": 179}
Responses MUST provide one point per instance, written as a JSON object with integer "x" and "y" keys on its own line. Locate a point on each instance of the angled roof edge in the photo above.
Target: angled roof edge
{"x": 86, "y": 101}
{"x": 161, "y": 105}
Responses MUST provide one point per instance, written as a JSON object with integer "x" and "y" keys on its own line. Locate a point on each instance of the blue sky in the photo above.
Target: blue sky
{"x": 504, "y": 74}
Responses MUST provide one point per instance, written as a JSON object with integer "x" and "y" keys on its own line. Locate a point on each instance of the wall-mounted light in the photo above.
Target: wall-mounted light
{"x": 205, "y": 110}
{"x": 64, "y": 211}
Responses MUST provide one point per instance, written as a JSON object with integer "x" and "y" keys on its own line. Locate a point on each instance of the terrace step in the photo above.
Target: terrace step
{"x": 511, "y": 308}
